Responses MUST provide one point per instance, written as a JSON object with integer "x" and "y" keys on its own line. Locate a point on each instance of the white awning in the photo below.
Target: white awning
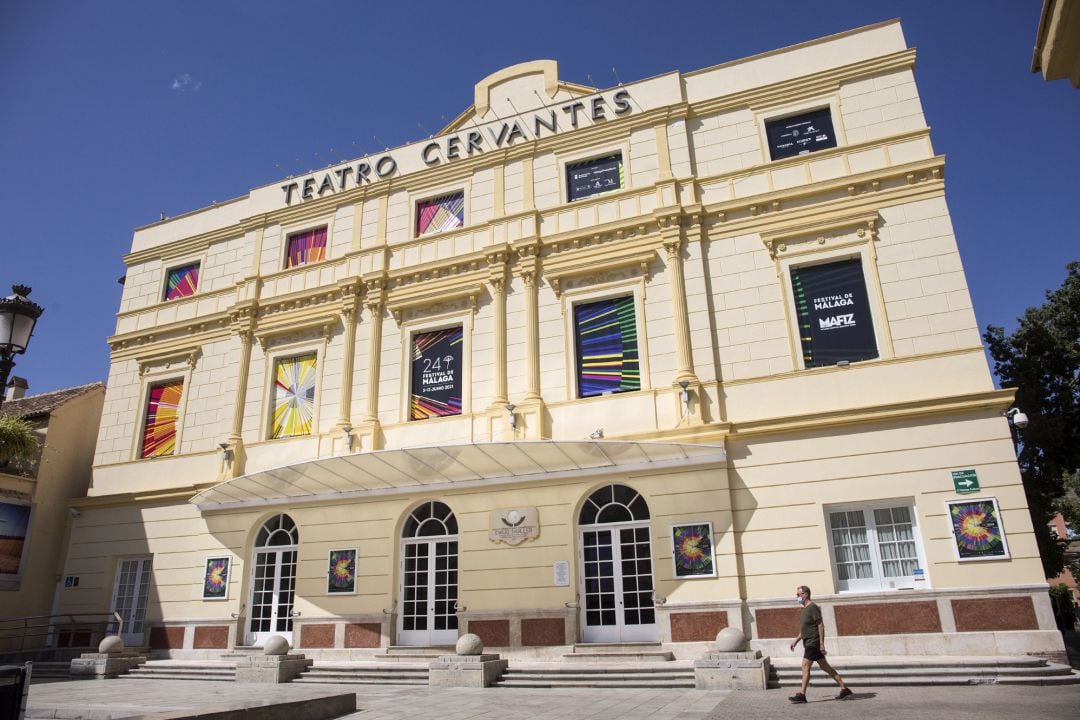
{"x": 427, "y": 469}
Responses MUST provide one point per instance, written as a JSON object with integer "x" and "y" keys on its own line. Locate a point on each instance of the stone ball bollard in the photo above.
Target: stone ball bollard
{"x": 111, "y": 644}
{"x": 469, "y": 644}
{"x": 276, "y": 645}
{"x": 730, "y": 640}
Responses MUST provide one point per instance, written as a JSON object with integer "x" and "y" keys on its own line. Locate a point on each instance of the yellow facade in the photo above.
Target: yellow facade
{"x": 700, "y": 244}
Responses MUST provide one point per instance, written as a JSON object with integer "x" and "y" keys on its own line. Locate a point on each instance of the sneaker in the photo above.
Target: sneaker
{"x": 844, "y": 694}
{"x": 797, "y": 698}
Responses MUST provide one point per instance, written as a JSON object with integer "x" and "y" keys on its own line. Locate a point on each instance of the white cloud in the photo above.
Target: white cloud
{"x": 185, "y": 83}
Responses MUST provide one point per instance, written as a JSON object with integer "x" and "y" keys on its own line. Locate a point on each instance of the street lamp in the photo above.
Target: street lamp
{"x": 17, "y": 319}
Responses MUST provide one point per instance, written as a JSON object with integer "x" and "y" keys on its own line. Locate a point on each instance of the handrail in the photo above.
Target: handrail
{"x": 18, "y": 630}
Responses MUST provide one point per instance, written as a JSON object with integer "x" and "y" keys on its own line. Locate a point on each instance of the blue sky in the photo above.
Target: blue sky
{"x": 113, "y": 112}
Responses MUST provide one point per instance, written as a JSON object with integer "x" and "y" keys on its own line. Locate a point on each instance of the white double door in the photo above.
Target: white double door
{"x": 273, "y": 590}
{"x": 130, "y": 596}
{"x": 617, "y": 584}
{"x": 427, "y": 609}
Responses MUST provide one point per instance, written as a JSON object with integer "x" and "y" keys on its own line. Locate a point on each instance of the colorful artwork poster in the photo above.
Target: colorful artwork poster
{"x": 693, "y": 550}
{"x": 182, "y": 282}
{"x": 592, "y": 177}
{"x": 14, "y": 523}
{"x": 436, "y": 374}
{"x": 216, "y": 579}
{"x": 800, "y": 134}
{"x": 306, "y": 247}
{"x": 341, "y": 573}
{"x": 976, "y": 529}
{"x": 833, "y": 311}
{"x": 440, "y": 214}
{"x": 605, "y": 333}
{"x": 294, "y": 396}
{"x": 162, "y": 413}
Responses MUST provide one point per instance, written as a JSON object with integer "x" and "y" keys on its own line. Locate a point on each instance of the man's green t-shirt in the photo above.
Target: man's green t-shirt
{"x": 808, "y": 630}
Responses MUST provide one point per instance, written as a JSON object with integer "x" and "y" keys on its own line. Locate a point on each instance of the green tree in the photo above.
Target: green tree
{"x": 1041, "y": 359}
{"x": 17, "y": 439}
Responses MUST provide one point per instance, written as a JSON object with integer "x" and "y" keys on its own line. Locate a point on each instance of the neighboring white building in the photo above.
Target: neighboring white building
{"x": 588, "y": 366}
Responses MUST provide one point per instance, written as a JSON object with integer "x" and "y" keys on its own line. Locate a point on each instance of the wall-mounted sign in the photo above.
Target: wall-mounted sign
{"x": 216, "y": 578}
{"x": 834, "y": 313}
{"x": 965, "y": 481}
{"x": 800, "y": 134}
{"x": 976, "y": 529}
{"x": 71, "y": 581}
{"x": 561, "y": 571}
{"x": 514, "y": 526}
{"x": 693, "y": 550}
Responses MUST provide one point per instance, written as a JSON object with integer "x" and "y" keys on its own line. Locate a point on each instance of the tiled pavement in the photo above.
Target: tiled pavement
{"x": 99, "y": 700}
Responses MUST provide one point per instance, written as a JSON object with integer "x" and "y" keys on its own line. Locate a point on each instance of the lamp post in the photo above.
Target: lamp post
{"x": 17, "y": 319}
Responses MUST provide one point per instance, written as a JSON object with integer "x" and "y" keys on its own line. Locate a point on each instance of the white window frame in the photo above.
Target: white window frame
{"x": 877, "y": 583}
{"x": 150, "y": 379}
{"x": 570, "y": 299}
{"x": 171, "y": 264}
{"x": 622, "y": 149}
{"x": 133, "y": 638}
{"x": 762, "y": 116}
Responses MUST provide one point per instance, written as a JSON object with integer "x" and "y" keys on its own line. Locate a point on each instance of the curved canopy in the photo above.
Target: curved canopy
{"x": 386, "y": 472}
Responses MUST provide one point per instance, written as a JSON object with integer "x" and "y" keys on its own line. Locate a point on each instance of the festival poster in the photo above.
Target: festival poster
{"x": 605, "y": 334}
{"x": 436, "y": 374}
{"x": 833, "y": 311}
{"x": 341, "y": 573}
{"x": 976, "y": 529}
{"x": 592, "y": 177}
{"x": 693, "y": 550}
{"x": 216, "y": 578}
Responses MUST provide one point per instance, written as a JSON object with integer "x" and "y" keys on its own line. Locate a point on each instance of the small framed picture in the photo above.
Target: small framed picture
{"x": 216, "y": 578}
{"x": 976, "y": 529}
{"x": 341, "y": 573}
{"x": 692, "y": 550}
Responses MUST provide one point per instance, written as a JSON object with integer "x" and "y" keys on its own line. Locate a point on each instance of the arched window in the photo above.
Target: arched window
{"x": 430, "y": 519}
{"x": 614, "y": 504}
{"x": 278, "y": 531}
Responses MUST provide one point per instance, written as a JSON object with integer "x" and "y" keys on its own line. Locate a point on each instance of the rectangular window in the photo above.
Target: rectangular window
{"x": 14, "y": 527}
{"x": 605, "y": 335}
{"x": 874, "y": 547}
{"x": 162, "y": 414}
{"x": 800, "y": 134}
{"x": 833, "y": 311}
{"x": 182, "y": 281}
{"x": 592, "y": 177}
{"x": 294, "y": 396}
{"x": 440, "y": 214}
{"x": 436, "y": 374}
{"x": 306, "y": 247}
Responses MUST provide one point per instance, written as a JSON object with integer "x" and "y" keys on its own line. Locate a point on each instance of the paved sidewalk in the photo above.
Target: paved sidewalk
{"x": 102, "y": 699}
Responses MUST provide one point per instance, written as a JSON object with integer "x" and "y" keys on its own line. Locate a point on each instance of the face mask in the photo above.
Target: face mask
{"x": 798, "y": 599}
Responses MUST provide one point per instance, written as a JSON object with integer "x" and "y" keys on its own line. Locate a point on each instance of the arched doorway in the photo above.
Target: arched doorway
{"x": 427, "y": 605}
{"x": 615, "y": 556}
{"x": 273, "y": 580}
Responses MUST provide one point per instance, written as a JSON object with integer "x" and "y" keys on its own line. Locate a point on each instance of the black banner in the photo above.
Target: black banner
{"x": 834, "y": 313}
{"x": 593, "y": 177}
{"x": 436, "y": 374}
{"x": 800, "y": 134}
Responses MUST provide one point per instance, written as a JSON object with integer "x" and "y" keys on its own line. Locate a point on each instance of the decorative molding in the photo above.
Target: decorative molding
{"x": 781, "y": 240}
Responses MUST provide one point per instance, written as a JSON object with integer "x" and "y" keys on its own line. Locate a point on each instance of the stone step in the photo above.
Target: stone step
{"x": 846, "y": 672}
{"x": 920, "y": 661}
{"x": 908, "y": 671}
{"x": 50, "y": 669}
{"x": 367, "y": 673}
{"x": 181, "y": 676}
{"x": 597, "y": 682}
{"x": 609, "y": 656}
{"x": 599, "y": 669}
{"x": 603, "y": 677}
{"x": 309, "y": 680}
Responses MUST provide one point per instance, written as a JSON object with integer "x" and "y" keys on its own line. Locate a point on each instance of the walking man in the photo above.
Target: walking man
{"x": 812, "y": 634}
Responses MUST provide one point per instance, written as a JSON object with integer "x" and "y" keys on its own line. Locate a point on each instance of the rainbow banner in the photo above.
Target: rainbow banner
{"x": 162, "y": 413}
{"x": 294, "y": 396}
{"x": 607, "y": 347}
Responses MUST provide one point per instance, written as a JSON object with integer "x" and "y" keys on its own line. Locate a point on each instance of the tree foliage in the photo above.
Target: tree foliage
{"x": 1041, "y": 359}
{"x": 17, "y": 439}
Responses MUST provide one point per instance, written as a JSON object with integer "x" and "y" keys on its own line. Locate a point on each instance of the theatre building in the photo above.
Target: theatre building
{"x": 590, "y": 365}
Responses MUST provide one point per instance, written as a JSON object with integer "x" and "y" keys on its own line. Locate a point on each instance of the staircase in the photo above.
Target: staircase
{"x": 618, "y": 653}
{"x": 185, "y": 670}
{"x": 366, "y": 673}
{"x": 598, "y": 675}
{"x": 50, "y": 670}
{"x": 927, "y": 670}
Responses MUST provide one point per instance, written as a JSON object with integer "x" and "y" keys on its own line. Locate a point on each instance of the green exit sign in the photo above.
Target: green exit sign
{"x": 965, "y": 481}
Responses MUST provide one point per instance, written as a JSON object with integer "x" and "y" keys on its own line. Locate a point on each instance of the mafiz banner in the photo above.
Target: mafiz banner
{"x": 834, "y": 313}
{"x": 436, "y": 374}
{"x": 800, "y": 134}
{"x": 593, "y": 177}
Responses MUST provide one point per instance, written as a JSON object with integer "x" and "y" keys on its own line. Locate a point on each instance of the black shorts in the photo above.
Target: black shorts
{"x": 812, "y": 653}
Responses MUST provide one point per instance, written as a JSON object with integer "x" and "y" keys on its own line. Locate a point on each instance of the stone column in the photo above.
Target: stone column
{"x": 350, "y": 293}
{"x": 374, "y": 301}
{"x": 242, "y": 323}
{"x": 671, "y": 233}
{"x": 529, "y": 271}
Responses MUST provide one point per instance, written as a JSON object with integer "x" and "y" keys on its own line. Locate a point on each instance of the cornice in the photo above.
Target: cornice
{"x": 177, "y": 338}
